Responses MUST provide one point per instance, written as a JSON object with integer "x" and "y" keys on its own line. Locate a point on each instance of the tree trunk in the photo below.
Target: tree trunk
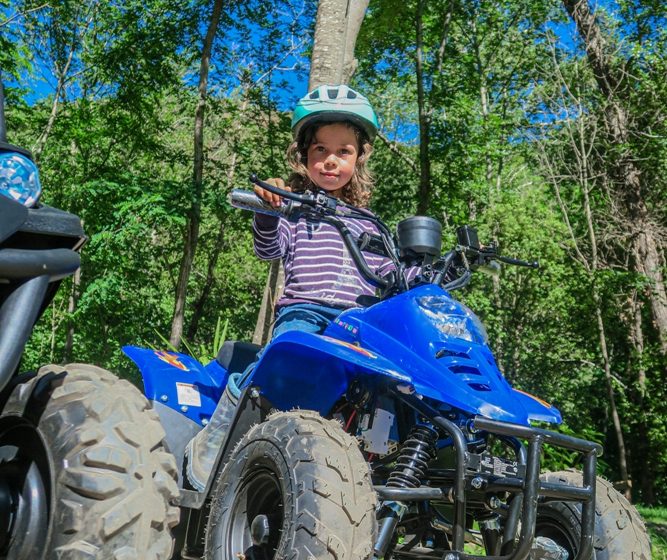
{"x": 426, "y": 100}
{"x": 424, "y": 199}
{"x": 606, "y": 360}
{"x": 198, "y": 307}
{"x": 609, "y": 381}
{"x": 274, "y": 286}
{"x": 591, "y": 265}
{"x": 648, "y": 263}
{"x": 626, "y": 173}
{"x": 492, "y": 183}
{"x": 636, "y": 337}
{"x": 645, "y": 475}
{"x": 71, "y": 308}
{"x": 3, "y": 122}
{"x": 44, "y": 136}
{"x": 336, "y": 30}
{"x": 194, "y": 213}
{"x": 332, "y": 62}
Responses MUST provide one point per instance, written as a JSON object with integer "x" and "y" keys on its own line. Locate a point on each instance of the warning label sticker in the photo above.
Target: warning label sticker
{"x": 188, "y": 394}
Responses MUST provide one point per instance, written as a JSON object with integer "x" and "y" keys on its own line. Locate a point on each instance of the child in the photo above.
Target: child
{"x": 333, "y": 128}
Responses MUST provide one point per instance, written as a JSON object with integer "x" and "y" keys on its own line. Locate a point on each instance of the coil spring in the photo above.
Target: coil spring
{"x": 412, "y": 463}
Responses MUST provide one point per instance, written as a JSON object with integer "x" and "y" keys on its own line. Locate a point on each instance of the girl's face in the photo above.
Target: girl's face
{"x": 332, "y": 157}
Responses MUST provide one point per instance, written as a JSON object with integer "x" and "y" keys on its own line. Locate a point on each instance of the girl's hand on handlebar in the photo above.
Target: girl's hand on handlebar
{"x": 273, "y": 199}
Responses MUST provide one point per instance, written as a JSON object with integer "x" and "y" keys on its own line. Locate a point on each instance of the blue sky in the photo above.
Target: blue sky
{"x": 292, "y": 69}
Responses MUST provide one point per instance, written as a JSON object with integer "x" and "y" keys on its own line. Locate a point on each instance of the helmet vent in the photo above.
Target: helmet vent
{"x": 332, "y": 93}
{"x": 315, "y": 94}
{"x": 351, "y": 94}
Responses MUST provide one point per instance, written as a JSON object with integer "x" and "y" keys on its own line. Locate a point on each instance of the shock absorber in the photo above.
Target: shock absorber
{"x": 412, "y": 463}
{"x": 410, "y": 468}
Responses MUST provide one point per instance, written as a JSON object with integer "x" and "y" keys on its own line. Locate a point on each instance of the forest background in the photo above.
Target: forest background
{"x": 540, "y": 122}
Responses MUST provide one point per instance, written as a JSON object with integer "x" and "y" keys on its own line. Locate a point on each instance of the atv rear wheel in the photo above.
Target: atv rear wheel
{"x": 90, "y": 446}
{"x": 620, "y": 533}
{"x": 295, "y": 487}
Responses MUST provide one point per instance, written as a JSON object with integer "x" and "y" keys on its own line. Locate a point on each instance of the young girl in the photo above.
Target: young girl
{"x": 333, "y": 129}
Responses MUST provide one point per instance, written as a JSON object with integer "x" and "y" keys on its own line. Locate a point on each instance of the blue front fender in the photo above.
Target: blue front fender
{"x": 311, "y": 371}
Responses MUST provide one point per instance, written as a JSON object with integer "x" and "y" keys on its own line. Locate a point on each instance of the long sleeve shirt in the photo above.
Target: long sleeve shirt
{"x": 318, "y": 266}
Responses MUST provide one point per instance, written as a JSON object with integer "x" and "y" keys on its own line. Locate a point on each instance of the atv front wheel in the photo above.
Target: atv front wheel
{"x": 295, "y": 487}
{"x": 620, "y": 533}
{"x": 84, "y": 470}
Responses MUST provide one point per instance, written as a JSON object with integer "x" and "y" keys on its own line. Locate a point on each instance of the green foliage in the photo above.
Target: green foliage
{"x": 557, "y": 458}
{"x": 512, "y": 107}
{"x": 13, "y": 54}
{"x": 119, "y": 155}
{"x": 656, "y": 523}
{"x": 505, "y": 93}
{"x": 206, "y": 351}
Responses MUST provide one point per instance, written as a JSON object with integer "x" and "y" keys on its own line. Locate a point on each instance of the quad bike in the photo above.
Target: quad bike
{"x": 391, "y": 435}
{"x": 84, "y": 472}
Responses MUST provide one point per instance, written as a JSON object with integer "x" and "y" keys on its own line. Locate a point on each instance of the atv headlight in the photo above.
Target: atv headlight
{"x": 19, "y": 178}
{"x": 452, "y": 318}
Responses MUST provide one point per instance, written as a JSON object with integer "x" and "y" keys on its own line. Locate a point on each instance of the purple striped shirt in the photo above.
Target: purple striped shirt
{"x": 318, "y": 266}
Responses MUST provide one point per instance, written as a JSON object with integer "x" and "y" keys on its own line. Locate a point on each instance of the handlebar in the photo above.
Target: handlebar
{"x": 320, "y": 200}
{"x": 465, "y": 258}
{"x": 248, "y": 200}
{"x": 16, "y": 264}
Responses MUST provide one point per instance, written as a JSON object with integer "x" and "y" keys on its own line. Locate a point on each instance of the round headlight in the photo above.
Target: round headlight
{"x": 19, "y": 178}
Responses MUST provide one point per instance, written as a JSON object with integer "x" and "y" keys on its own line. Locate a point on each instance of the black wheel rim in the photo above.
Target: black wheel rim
{"x": 558, "y": 532}
{"x": 260, "y": 493}
{"x": 24, "y": 496}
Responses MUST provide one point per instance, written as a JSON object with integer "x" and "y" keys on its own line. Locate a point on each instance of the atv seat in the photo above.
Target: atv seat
{"x": 235, "y": 356}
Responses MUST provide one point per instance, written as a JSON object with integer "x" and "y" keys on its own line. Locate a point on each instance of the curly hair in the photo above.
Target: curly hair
{"x": 358, "y": 191}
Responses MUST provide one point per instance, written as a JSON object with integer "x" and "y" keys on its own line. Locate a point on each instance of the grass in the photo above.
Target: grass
{"x": 656, "y": 522}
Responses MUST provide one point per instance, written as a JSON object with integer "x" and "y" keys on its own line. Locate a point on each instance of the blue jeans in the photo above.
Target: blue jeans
{"x": 304, "y": 317}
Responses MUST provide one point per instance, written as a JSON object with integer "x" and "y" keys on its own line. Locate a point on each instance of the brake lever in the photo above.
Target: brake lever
{"x": 518, "y": 262}
{"x": 490, "y": 253}
{"x": 303, "y": 198}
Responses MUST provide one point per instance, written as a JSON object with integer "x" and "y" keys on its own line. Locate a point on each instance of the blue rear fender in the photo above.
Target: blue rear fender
{"x": 311, "y": 371}
{"x": 180, "y": 382}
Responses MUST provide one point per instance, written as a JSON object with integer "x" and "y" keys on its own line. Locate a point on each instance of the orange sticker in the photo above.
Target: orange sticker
{"x": 538, "y": 399}
{"x": 354, "y": 347}
{"x": 171, "y": 359}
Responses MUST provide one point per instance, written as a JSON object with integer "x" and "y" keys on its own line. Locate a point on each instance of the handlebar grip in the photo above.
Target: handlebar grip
{"x": 30, "y": 263}
{"x": 248, "y": 200}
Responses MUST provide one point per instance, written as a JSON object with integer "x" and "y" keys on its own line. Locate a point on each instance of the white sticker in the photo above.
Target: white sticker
{"x": 188, "y": 394}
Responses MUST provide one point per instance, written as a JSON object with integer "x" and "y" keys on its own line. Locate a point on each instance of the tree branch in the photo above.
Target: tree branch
{"x": 393, "y": 148}
{"x": 20, "y": 14}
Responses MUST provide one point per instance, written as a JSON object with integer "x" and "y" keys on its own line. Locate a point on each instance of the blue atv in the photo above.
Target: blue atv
{"x": 391, "y": 435}
{"x": 84, "y": 471}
